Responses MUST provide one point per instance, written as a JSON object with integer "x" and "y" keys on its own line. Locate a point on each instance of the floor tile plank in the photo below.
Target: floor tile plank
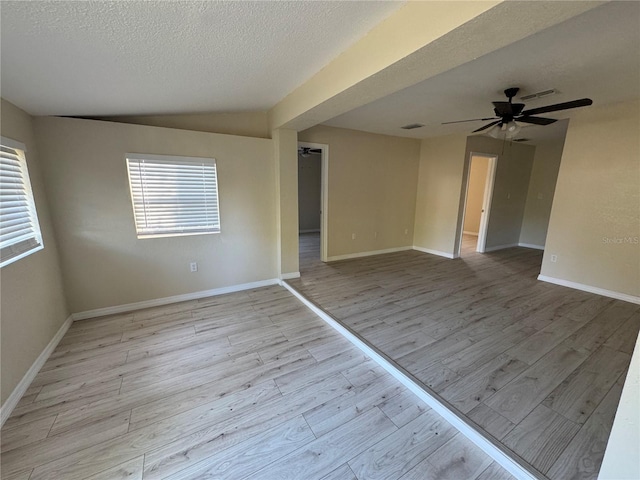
{"x": 316, "y": 459}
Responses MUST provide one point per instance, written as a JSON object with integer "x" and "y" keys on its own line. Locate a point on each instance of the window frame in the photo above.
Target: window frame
{"x": 173, "y": 160}
{"x": 21, "y": 151}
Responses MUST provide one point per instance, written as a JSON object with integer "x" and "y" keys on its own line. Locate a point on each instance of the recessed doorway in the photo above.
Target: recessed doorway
{"x": 477, "y": 208}
{"x": 312, "y": 203}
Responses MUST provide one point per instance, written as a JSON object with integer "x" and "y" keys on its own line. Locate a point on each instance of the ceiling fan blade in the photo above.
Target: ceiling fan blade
{"x": 583, "y": 102}
{"x": 536, "y": 120}
{"x": 487, "y": 126}
{"x": 471, "y": 120}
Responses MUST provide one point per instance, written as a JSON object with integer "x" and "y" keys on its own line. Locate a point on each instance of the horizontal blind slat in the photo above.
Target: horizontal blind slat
{"x": 173, "y": 196}
{"x": 19, "y": 229}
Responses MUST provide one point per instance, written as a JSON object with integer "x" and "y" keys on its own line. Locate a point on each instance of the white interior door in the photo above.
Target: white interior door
{"x": 486, "y": 204}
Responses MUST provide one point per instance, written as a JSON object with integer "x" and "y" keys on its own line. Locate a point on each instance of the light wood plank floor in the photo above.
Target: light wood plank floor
{"x": 245, "y": 385}
{"x": 537, "y": 366}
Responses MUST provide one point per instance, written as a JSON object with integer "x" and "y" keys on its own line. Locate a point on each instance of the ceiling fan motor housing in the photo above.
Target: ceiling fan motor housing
{"x": 511, "y": 92}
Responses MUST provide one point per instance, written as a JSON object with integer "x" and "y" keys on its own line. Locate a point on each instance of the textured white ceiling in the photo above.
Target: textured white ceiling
{"x": 146, "y": 57}
{"x": 133, "y": 57}
{"x": 595, "y": 55}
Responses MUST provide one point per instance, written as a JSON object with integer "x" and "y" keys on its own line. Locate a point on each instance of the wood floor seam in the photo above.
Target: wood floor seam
{"x": 470, "y": 304}
{"x": 253, "y": 385}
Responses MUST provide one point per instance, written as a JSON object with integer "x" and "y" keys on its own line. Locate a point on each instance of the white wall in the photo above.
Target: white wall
{"x": 594, "y": 227}
{"x": 444, "y": 164}
{"x": 372, "y": 189}
{"x": 510, "y": 187}
{"x": 542, "y": 186}
{"x": 32, "y": 303}
{"x": 438, "y": 203}
{"x": 104, "y": 264}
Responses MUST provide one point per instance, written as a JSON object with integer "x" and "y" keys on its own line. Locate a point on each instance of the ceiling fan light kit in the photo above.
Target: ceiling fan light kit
{"x": 509, "y": 114}
{"x": 506, "y": 130}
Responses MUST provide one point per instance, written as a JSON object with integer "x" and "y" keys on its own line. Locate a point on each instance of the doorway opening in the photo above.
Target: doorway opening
{"x": 477, "y": 205}
{"x": 312, "y": 203}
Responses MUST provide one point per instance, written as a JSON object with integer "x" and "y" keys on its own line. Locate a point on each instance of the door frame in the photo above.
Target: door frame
{"x": 324, "y": 194}
{"x": 486, "y": 200}
{"x": 486, "y": 203}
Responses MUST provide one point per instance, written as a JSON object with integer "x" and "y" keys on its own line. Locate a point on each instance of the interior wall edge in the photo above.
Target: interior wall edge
{"x": 621, "y": 455}
{"x": 492, "y": 449}
{"x": 12, "y": 400}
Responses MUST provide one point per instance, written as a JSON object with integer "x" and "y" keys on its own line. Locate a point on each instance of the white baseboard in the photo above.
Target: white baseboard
{"x": 13, "y": 399}
{"x": 367, "y": 254}
{"x": 129, "y": 307}
{"x": 531, "y": 245}
{"x": 505, "y": 461}
{"x": 473, "y": 234}
{"x": 434, "y": 252}
{"x": 591, "y": 289}
{"x": 314, "y": 230}
{"x": 500, "y": 247}
{"x": 289, "y": 276}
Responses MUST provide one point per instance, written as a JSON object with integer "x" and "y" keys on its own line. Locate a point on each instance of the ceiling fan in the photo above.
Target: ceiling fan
{"x": 306, "y": 151}
{"x": 509, "y": 113}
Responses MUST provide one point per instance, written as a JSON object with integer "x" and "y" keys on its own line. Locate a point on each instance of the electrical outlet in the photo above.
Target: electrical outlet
{"x": 540, "y": 196}
{"x": 353, "y": 236}
{"x": 193, "y": 266}
{"x": 554, "y": 258}
{"x": 406, "y": 231}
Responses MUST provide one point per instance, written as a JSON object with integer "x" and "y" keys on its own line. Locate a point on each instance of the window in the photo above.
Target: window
{"x": 19, "y": 228}
{"x": 173, "y": 195}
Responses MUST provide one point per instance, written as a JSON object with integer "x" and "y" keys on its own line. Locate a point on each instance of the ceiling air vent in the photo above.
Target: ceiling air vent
{"x": 411, "y": 126}
{"x": 521, "y": 139}
{"x": 544, "y": 93}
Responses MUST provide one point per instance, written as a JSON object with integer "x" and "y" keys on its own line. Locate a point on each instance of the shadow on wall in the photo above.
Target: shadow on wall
{"x": 309, "y": 187}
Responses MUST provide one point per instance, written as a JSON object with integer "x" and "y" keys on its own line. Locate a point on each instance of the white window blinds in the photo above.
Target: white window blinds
{"x": 173, "y": 195}
{"x": 19, "y": 229}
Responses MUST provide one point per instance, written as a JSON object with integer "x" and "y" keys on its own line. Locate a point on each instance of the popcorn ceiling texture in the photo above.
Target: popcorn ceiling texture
{"x": 158, "y": 57}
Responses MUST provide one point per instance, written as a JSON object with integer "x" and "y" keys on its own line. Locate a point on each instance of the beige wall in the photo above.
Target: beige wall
{"x": 285, "y": 147}
{"x": 475, "y": 194}
{"x": 246, "y": 124}
{"x": 33, "y": 306}
{"x": 595, "y": 219}
{"x": 443, "y": 167}
{"x": 510, "y": 188}
{"x": 372, "y": 189}
{"x": 309, "y": 183}
{"x": 104, "y": 264}
{"x": 442, "y": 162}
{"x": 542, "y": 186}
